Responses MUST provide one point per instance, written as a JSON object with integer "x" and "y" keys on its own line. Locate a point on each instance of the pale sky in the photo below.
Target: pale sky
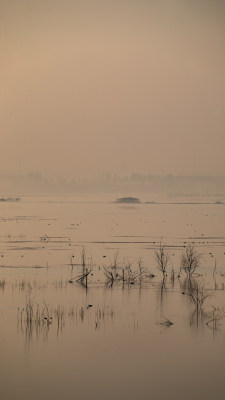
{"x": 120, "y": 86}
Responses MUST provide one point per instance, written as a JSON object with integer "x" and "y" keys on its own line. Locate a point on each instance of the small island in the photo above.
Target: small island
{"x": 10, "y": 199}
{"x": 128, "y": 200}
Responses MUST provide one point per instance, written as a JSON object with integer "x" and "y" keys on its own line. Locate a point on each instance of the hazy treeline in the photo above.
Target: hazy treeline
{"x": 38, "y": 183}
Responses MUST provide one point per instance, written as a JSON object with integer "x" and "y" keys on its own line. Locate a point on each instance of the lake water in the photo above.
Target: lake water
{"x": 111, "y": 339}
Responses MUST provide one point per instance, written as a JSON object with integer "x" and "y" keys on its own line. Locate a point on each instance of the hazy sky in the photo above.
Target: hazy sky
{"x": 121, "y": 86}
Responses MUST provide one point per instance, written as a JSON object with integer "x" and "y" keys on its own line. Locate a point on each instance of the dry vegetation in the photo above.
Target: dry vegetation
{"x": 190, "y": 260}
{"x": 162, "y": 258}
{"x": 124, "y": 272}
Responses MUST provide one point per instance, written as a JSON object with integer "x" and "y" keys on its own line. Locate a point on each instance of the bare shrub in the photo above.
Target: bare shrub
{"x": 111, "y": 271}
{"x": 190, "y": 260}
{"x": 162, "y": 258}
{"x": 82, "y": 278}
{"x": 125, "y": 272}
{"x": 86, "y": 270}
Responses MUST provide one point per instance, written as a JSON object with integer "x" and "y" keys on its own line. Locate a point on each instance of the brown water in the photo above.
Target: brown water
{"x": 109, "y": 341}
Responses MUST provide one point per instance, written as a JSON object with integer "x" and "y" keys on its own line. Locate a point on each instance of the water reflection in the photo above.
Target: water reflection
{"x": 162, "y": 291}
{"x": 2, "y": 285}
{"x": 32, "y": 330}
{"x": 215, "y": 317}
{"x": 36, "y": 321}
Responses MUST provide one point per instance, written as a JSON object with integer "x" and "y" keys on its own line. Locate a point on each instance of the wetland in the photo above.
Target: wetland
{"x": 118, "y": 300}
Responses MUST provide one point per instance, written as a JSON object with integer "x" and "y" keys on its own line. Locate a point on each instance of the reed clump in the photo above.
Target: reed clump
{"x": 32, "y": 313}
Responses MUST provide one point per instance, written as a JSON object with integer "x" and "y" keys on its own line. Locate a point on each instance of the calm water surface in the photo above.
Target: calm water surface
{"x": 109, "y": 341}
